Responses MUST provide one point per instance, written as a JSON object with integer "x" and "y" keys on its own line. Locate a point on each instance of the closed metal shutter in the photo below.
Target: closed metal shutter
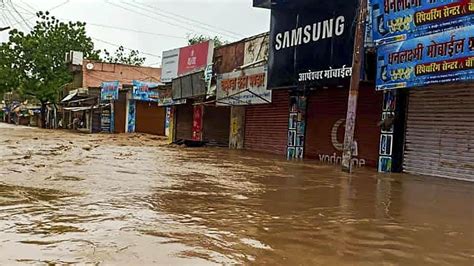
{"x": 184, "y": 122}
{"x": 439, "y": 135}
{"x": 266, "y": 125}
{"x": 120, "y": 110}
{"x": 216, "y": 123}
{"x": 327, "y": 111}
{"x": 150, "y": 118}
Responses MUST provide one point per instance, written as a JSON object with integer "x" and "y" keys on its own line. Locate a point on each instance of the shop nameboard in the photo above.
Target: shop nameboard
{"x": 169, "y": 65}
{"x": 432, "y": 59}
{"x": 166, "y": 99}
{"x": 312, "y": 47}
{"x": 195, "y": 58}
{"x": 398, "y": 20}
{"x": 244, "y": 87}
{"x": 141, "y": 91}
{"x": 109, "y": 90}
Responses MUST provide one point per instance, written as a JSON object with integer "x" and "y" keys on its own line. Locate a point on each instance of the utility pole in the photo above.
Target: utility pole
{"x": 354, "y": 89}
{"x": 4, "y": 28}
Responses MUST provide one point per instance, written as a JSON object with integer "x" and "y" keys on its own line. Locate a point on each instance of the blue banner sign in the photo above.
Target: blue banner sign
{"x": 142, "y": 92}
{"x": 399, "y": 20}
{"x": 437, "y": 58}
{"x": 109, "y": 90}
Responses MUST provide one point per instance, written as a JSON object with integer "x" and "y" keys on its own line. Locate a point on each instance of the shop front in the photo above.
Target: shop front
{"x": 257, "y": 121}
{"x": 427, "y": 80}
{"x": 194, "y": 117}
{"x": 310, "y": 59}
{"x": 326, "y": 120}
{"x": 144, "y": 115}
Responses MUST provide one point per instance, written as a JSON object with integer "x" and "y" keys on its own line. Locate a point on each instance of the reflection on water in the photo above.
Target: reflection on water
{"x": 68, "y": 198}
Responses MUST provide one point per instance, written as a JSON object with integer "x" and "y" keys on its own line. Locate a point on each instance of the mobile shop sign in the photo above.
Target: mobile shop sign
{"x": 437, "y": 58}
{"x": 195, "y": 58}
{"x": 244, "y": 87}
{"x": 141, "y": 91}
{"x": 312, "y": 47}
{"x": 109, "y": 91}
{"x": 169, "y": 65}
{"x": 396, "y": 20}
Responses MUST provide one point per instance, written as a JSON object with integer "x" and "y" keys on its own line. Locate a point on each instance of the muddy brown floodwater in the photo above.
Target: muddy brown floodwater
{"x": 133, "y": 200}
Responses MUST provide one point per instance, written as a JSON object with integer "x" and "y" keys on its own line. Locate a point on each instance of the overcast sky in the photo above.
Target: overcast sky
{"x": 149, "y": 26}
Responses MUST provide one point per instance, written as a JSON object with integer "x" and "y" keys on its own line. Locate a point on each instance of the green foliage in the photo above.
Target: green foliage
{"x": 121, "y": 57}
{"x": 34, "y": 63}
{"x": 195, "y": 39}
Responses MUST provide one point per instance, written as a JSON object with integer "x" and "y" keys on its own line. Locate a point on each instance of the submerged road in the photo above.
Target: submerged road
{"x": 133, "y": 200}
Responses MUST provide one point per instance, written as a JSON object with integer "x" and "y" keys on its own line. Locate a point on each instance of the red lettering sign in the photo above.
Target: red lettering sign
{"x": 194, "y": 57}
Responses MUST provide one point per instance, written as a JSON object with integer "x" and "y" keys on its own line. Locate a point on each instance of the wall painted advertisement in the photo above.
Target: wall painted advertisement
{"x": 312, "y": 47}
{"x": 244, "y": 87}
{"x": 398, "y": 20}
{"x": 437, "y": 58}
{"x": 109, "y": 90}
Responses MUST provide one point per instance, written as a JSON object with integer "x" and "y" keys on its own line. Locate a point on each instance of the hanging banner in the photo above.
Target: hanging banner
{"x": 398, "y": 20}
{"x": 109, "y": 91}
{"x": 244, "y": 87}
{"x": 312, "y": 47}
{"x": 437, "y": 58}
{"x": 141, "y": 91}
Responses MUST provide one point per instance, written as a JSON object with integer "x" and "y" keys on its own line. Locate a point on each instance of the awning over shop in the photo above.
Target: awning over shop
{"x": 70, "y": 96}
{"x": 189, "y": 86}
{"x": 84, "y": 108}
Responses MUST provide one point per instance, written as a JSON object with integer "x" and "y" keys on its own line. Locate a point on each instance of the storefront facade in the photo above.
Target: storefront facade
{"x": 427, "y": 80}
{"x": 310, "y": 59}
{"x": 326, "y": 117}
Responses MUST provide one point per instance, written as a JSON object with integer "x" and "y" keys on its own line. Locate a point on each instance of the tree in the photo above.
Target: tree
{"x": 121, "y": 57}
{"x": 33, "y": 63}
{"x": 194, "y": 39}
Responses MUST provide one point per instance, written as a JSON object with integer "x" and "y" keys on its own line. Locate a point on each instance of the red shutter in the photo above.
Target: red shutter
{"x": 150, "y": 118}
{"x": 327, "y": 110}
{"x": 266, "y": 125}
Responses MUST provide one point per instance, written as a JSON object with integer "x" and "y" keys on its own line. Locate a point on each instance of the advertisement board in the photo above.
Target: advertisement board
{"x": 109, "y": 90}
{"x": 398, "y": 20}
{"x": 244, "y": 87}
{"x": 312, "y": 47}
{"x": 141, "y": 91}
{"x": 436, "y": 58}
{"x": 169, "y": 65}
{"x": 195, "y": 57}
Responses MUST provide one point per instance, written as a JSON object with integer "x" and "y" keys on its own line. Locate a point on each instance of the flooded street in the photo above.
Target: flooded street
{"x": 133, "y": 200}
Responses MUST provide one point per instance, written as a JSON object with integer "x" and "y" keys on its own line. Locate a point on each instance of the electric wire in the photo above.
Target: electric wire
{"x": 155, "y": 18}
{"x": 185, "y": 20}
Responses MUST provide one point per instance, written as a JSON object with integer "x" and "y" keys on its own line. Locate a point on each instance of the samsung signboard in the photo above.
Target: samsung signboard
{"x": 311, "y": 44}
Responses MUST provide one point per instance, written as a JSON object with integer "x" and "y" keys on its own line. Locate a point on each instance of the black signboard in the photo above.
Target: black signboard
{"x": 312, "y": 44}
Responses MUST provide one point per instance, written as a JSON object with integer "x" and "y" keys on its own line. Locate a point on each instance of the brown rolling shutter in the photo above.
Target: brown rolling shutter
{"x": 216, "y": 125}
{"x": 120, "y": 110}
{"x": 439, "y": 132}
{"x": 150, "y": 118}
{"x": 184, "y": 121}
{"x": 327, "y": 111}
{"x": 266, "y": 125}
